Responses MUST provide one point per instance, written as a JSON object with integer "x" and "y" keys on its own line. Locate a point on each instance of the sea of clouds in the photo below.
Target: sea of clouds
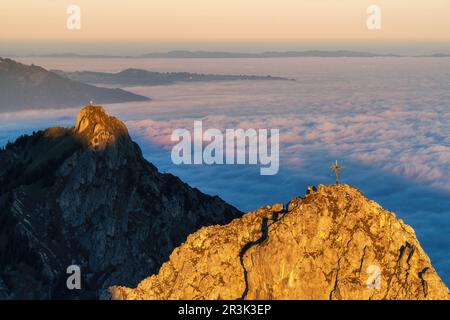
{"x": 387, "y": 120}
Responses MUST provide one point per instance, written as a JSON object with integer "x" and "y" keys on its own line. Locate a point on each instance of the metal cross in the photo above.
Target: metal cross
{"x": 336, "y": 168}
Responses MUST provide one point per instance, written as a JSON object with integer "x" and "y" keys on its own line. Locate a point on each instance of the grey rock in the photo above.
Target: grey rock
{"x": 86, "y": 196}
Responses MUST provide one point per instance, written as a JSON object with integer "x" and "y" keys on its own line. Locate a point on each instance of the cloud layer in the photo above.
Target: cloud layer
{"x": 387, "y": 120}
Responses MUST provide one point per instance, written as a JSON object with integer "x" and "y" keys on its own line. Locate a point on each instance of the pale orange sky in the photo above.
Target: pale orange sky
{"x": 225, "y": 19}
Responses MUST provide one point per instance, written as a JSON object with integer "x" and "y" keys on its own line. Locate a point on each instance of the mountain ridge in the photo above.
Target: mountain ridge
{"x": 85, "y": 196}
{"x": 31, "y": 87}
{"x": 226, "y": 54}
{"x": 332, "y": 244}
{"x": 136, "y": 77}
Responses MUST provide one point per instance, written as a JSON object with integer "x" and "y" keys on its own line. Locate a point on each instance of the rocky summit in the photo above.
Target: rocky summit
{"x": 332, "y": 244}
{"x": 85, "y": 196}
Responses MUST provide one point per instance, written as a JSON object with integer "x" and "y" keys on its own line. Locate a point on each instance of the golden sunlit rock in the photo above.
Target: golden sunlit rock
{"x": 332, "y": 244}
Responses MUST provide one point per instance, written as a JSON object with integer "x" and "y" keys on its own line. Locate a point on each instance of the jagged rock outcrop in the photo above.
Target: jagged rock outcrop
{"x": 332, "y": 244}
{"x": 86, "y": 196}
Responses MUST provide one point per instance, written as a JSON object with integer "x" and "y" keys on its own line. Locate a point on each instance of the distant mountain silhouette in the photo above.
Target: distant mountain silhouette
{"x": 143, "y": 77}
{"x": 233, "y": 55}
{"x": 33, "y": 87}
{"x": 436, "y": 55}
{"x": 269, "y": 54}
{"x": 224, "y": 54}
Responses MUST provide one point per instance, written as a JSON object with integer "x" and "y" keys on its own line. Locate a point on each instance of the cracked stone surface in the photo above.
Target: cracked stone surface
{"x": 332, "y": 244}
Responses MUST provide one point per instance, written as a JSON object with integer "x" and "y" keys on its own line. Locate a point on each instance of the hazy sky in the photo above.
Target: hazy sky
{"x": 225, "y": 20}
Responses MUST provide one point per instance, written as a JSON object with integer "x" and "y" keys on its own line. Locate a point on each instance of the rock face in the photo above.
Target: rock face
{"x": 332, "y": 244}
{"x": 86, "y": 196}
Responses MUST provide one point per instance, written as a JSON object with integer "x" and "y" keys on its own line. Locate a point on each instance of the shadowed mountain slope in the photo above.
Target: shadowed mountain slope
{"x": 86, "y": 196}
{"x": 24, "y": 87}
